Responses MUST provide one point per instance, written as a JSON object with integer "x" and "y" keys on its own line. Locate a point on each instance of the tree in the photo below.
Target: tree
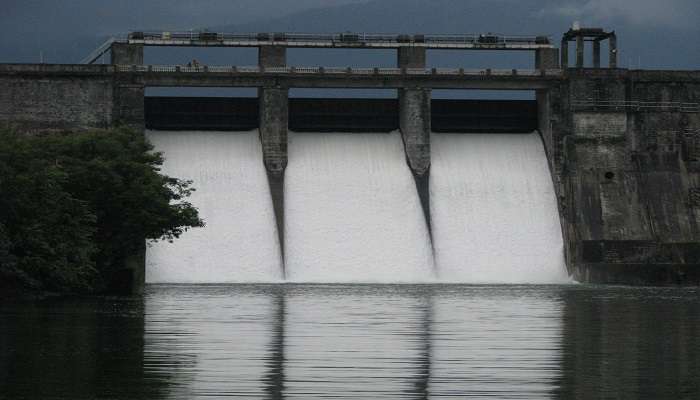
{"x": 74, "y": 206}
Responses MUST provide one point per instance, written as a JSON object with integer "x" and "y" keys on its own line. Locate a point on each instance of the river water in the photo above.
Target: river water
{"x": 356, "y": 341}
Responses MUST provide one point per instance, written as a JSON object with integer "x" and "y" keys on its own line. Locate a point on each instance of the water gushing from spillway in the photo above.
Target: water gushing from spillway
{"x": 352, "y": 211}
{"x": 239, "y": 243}
{"x": 494, "y": 210}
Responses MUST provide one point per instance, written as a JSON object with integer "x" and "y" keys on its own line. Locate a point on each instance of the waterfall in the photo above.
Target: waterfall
{"x": 494, "y": 211}
{"x": 352, "y": 211}
{"x": 239, "y": 243}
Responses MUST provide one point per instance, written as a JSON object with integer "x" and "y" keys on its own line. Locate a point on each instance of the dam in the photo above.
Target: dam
{"x": 606, "y": 188}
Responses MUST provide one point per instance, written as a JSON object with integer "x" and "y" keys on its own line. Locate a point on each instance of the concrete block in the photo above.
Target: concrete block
{"x": 127, "y": 54}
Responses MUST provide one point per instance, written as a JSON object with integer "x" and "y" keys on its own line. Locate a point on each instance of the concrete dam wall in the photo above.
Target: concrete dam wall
{"x": 622, "y": 146}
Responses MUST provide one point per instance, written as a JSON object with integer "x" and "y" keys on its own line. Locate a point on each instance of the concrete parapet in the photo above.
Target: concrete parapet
{"x": 127, "y": 54}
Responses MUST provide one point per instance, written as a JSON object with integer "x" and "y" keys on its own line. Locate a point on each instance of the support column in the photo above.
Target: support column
{"x": 274, "y": 122}
{"x": 272, "y": 56}
{"x": 564, "y": 53}
{"x": 579, "y": 51}
{"x": 127, "y": 54}
{"x": 613, "y": 50}
{"x": 274, "y": 110}
{"x": 547, "y": 59}
{"x": 596, "y": 54}
{"x": 414, "y": 122}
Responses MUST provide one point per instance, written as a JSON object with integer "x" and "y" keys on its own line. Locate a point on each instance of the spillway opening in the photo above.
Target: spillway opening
{"x": 352, "y": 209}
{"x": 483, "y": 111}
{"x": 352, "y": 213}
{"x": 240, "y": 241}
{"x": 201, "y": 109}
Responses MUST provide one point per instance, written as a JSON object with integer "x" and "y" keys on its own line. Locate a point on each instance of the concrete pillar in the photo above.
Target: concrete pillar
{"x": 414, "y": 122}
{"x": 272, "y": 56}
{"x": 127, "y": 54}
{"x": 596, "y": 54}
{"x": 411, "y": 57}
{"x": 547, "y": 59}
{"x": 564, "y": 50}
{"x": 579, "y": 52}
{"x": 613, "y": 50}
{"x": 274, "y": 122}
{"x": 274, "y": 111}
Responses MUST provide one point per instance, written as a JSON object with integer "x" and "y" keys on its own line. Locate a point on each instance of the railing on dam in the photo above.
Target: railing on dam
{"x": 484, "y": 41}
{"x": 633, "y": 105}
{"x": 339, "y": 71}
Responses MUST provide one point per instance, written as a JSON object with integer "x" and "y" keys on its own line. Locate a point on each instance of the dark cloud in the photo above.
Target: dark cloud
{"x": 652, "y": 34}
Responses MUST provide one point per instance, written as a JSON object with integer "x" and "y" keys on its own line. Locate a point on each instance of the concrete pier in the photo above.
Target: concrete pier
{"x": 274, "y": 124}
{"x": 547, "y": 59}
{"x": 414, "y": 123}
{"x": 127, "y": 54}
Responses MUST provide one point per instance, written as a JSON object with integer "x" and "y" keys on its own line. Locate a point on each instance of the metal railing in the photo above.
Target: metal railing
{"x": 638, "y": 105}
{"x": 205, "y": 69}
{"x": 98, "y": 52}
{"x": 341, "y": 38}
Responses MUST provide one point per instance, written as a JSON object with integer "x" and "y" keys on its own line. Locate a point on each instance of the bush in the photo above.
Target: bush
{"x": 74, "y": 206}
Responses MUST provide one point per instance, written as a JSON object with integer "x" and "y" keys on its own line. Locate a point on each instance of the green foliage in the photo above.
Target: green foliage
{"x": 74, "y": 206}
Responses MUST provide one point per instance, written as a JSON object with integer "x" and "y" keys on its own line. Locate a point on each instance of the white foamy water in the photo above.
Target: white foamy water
{"x": 494, "y": 211}
{"x": 352, "y": 213}
{"x": 239, "y": 243}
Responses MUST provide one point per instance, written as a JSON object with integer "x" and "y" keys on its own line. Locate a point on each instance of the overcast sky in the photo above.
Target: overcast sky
{"x": 654, "y": 33}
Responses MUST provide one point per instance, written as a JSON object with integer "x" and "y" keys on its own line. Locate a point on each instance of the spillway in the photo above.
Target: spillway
{"x": 352, "y": 213}
{"x": 494, "y": 211}
{"x": 239, "y": 243}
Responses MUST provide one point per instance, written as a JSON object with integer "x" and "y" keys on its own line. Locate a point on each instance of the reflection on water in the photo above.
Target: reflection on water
{"x": 333, "y": 341}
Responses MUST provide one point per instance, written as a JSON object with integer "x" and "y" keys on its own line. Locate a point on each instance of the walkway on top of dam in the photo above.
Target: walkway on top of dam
{"x": 486, "y": 41}
{"x": 320, "y": 77}
{"x": 306, "y": 77}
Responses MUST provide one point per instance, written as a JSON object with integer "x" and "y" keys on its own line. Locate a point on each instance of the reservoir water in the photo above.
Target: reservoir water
{"x": 356, "y": 342}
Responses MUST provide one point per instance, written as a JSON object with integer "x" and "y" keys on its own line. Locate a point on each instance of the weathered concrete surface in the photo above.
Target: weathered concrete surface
{"x": 626, "y": 175}
{"x": 274, "y": 114}
{"x": 547, "y": 59}
{"x": 273, "y": 128}
{"x": 127, "y": 54}
{"x": 274, "y": 125}
{"x": 415, "y": 126}
{"x": 272, "y": 56}
{"x": 32, "y": 104}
